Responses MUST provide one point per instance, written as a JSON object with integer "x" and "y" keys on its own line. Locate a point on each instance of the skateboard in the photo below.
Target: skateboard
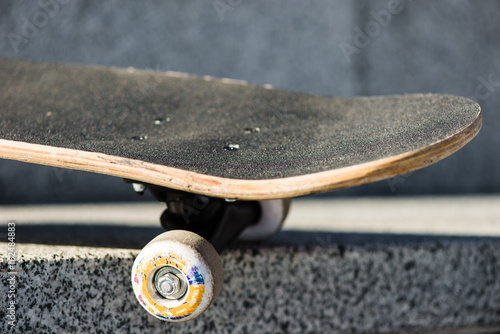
{"x": 224, "y": 156}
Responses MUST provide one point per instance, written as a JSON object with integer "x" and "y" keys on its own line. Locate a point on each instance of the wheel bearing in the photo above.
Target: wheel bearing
{"x": 170, "y": 283}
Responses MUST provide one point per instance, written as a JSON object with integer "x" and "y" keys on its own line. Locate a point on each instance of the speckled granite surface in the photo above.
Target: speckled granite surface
{"x": 314, "y": 285}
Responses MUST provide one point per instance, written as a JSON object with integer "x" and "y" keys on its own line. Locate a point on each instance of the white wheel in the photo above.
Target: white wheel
{"x": 177, "y": 276}
{"x": 273, "y": 215}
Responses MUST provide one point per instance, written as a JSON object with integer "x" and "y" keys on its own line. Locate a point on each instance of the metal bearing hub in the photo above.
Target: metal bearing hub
{"x": 170, "y": 283}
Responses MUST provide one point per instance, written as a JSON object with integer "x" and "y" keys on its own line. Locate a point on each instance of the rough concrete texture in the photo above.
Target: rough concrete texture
{"x": 338, "y": 283}
{"x": 433, "y": 46}
{"x": 341, "y": 266}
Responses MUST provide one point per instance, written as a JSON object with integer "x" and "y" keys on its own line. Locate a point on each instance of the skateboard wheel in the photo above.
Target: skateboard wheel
{"x": 273, "y": 215}
{"x": 177, "y": 276}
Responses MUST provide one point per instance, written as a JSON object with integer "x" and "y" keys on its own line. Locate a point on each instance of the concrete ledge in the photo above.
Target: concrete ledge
{"x": 274, "y": 288}
{"x": 298, "y": 282}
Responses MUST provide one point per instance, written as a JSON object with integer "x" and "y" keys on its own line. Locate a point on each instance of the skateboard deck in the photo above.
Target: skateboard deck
{"x": 220, "y": 137}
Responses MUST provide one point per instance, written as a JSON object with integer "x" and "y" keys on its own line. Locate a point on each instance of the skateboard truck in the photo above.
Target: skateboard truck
{"x": 179, "y": 273}
{"x": 219, "y": 221}
{"x": 320, "y": 144}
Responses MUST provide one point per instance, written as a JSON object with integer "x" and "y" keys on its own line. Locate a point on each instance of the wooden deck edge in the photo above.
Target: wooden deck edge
{"x": 237, "y": 188}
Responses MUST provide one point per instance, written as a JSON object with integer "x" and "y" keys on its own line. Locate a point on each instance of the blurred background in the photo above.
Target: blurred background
{"x": 325, "y": 47}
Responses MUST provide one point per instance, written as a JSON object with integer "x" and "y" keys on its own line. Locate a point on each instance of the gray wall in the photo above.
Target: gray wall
{"x": 448, "y": 47}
